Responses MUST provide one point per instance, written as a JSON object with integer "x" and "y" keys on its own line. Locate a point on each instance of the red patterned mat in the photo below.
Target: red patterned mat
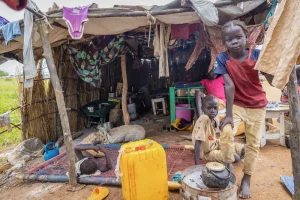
{"x": 178, "y": 159}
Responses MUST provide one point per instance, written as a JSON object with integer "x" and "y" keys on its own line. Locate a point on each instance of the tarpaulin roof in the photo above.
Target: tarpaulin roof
{"x": 117, "y": 20}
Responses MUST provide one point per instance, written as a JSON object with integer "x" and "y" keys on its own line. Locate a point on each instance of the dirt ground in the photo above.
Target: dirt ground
{"x": 274, "y": 160}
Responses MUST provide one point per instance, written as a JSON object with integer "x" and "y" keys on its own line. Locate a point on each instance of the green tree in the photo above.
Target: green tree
{"x": 3, "y": 73}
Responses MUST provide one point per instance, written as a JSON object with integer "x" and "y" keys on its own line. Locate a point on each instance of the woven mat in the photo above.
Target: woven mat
{"x": 178, "y": 159}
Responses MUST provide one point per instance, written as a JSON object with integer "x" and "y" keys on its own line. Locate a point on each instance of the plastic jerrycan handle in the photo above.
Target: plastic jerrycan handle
{"x": 144, "y": 147}
{"x": 47, "y": 146}
{"x": 138, "y": 148}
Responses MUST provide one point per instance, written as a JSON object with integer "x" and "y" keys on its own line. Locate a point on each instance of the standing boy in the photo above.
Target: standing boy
{"x": 245, "y": 98}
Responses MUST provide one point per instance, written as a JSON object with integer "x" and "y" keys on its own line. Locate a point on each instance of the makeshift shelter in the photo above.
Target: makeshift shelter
{"x": 127, "y": 32}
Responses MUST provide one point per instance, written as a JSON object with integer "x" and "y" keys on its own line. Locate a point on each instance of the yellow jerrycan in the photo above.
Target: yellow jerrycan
{"x": 143, "y": 166}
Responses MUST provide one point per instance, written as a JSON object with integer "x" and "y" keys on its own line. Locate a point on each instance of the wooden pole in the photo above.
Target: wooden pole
{"x": 295, "y": 131}
{"x": 54, "y": 11}
{"x": 23, "y": 110}
{"x": 128, "y": 13}
{"x": 43, "y": 30}
{"x": 125, "y": 89}
{"x": 60, "y": 75}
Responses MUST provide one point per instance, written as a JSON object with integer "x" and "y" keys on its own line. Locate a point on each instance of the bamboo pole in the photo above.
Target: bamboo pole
{"x": 125, "y": 89}
{"x": 129, "y": 13}
{"x": 42, "y": 29}
{"x": 54, "y": 11}
{"x": 295, "y": 131}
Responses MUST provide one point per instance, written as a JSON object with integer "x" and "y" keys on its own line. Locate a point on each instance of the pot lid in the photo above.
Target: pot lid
{"x": 215, "y": 166}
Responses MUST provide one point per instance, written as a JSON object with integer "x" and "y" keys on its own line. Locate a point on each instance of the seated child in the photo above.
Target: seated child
{"x": 86, "y": 163}
{"x": 204, "y": 134}
{"x": 215, "y": 87}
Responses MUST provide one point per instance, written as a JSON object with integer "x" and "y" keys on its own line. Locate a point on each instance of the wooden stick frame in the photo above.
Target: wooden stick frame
{"x": 43, "y": 30}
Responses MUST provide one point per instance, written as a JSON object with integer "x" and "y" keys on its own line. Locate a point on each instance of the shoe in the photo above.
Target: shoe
{"x": 165, "y": 128}
{"x": 99, "y": 193}
{"x": 172, "y": 129}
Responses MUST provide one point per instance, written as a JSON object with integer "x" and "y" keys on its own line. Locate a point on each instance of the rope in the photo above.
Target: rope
{"x": 149, "y": 36}
{"x": 118, "y": 173}
{"x": 151, "y": 19}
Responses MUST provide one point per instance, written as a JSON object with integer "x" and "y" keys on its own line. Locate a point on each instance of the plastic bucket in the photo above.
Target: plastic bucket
{"x": 185, "y": 114}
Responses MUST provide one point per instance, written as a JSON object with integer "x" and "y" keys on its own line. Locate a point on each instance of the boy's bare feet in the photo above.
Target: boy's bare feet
{"x": 245, "y": 187}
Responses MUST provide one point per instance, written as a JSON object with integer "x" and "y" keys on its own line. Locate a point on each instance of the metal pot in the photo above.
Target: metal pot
{"x": 196, "y": 189}
{"x": 216, "y": 175}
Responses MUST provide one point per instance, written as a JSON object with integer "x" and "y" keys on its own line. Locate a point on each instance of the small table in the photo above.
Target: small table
{"x": 273, "y": 113}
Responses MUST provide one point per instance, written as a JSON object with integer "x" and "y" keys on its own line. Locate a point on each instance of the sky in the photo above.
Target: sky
{"x": 43, "y": 5}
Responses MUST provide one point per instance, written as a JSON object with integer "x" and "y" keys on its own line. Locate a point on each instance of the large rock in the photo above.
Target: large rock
{"x": 29, "y": 148}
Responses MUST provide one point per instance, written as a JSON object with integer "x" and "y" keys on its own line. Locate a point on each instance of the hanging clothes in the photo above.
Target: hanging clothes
{"x": 30, "y": 70}
{"x": 201, "y": 43}
{"x": 87, "y": 62}
{"x": 112, "y": 50}
{"x": 156, "y": 43}
{"x": 3, "y": 21}
{"x": 75, "y": 19}
{"x": 5, "y": 121}
{"x": 173, "y": 44}
{"x": 11, "y": 30}
{"x": 183, "y": 31}
{"x": 282, "y": 43}
{"x": 160, "y": 43}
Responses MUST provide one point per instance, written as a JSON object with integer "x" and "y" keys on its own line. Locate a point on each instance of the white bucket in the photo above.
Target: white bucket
{"x": 132, "y": 110}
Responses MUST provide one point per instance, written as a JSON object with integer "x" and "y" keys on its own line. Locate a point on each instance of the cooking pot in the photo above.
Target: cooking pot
{"x": 216, "y": 175}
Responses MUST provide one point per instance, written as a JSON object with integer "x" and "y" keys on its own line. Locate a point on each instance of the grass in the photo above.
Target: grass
{"x": 9, "y": 99}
